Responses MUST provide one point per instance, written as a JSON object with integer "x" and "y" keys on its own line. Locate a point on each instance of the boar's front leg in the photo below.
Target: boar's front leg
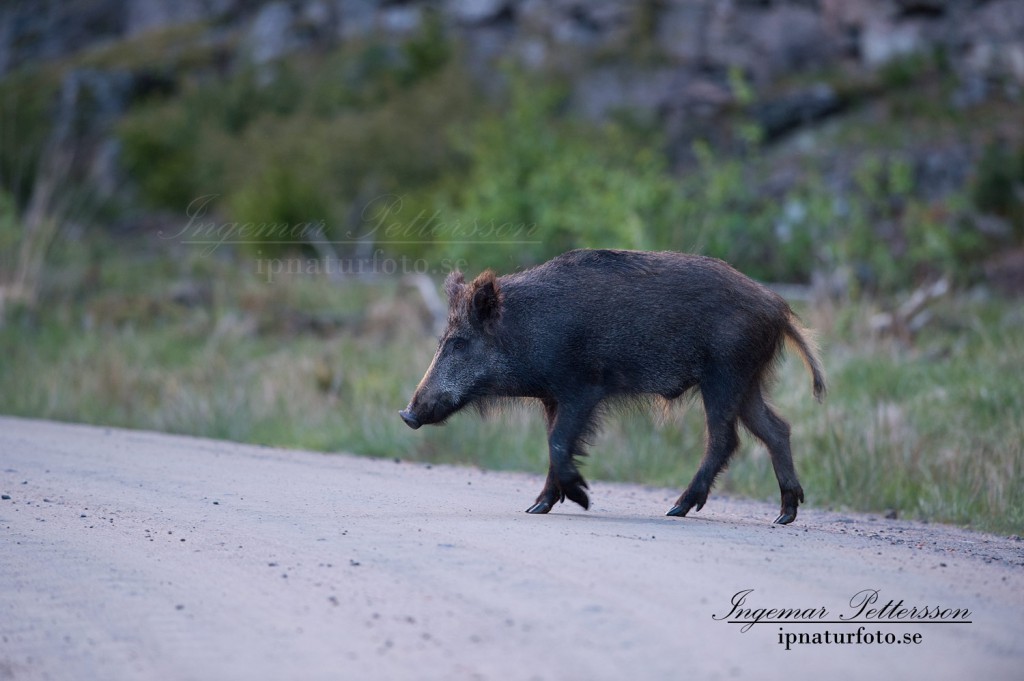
{"x": 568, "y": 424}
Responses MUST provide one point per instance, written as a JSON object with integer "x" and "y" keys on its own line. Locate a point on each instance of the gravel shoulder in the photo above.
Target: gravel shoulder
{"x": 138, "y": 555}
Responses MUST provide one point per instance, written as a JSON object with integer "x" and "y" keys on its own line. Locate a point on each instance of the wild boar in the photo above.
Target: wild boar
{"x": 591, "y": 327}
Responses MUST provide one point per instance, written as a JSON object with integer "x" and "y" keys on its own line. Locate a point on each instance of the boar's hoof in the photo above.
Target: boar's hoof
{"x": 540, "y": 507}
{"x": 556, "y": 491}
{"x": 686, "y": 502}
{"x": 790, "y": 500}
{"x": 786, "y": 517}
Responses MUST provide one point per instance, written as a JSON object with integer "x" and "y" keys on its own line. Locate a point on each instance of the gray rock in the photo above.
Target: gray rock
{"x": 147, "y": 15}
{"x": 995, "y": 41}
{"x": 788, "y": 39}
{"x": 781, "y": 115}
{"x": 477, "y": 11}
{"x": 401, "y": 19}
{"x": 317, "y": 13}
{"x": 604, "y": 91}
{"x": 271, "y": 34}
{"x": 105, "y": 170}
{"x": 883, "y": 41}
{"x": 924, "y": 8}
{"x": 531, "y": 53}
{"x": 48, "y": 29}
{"x": 356, "y": 17}
{"x": 762, "y": 42}
{"x": 576, "y": 24}
{"x": 682, "y": 30}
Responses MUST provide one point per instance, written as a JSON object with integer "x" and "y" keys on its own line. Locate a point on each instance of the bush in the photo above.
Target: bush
{"x": 284, "y": 211}
{"x": 27, "y": 100}
{"x": 338, "y": 165}
{"x": 541, "y": 184}
{"x": 10, "y": 240}
{"x": 299, "y": 143}
{"x": 998, "y": 185}
{"x": 162, "y": 152}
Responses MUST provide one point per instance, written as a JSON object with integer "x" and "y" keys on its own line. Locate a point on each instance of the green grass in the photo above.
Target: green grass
{"x": 932, "y": 430}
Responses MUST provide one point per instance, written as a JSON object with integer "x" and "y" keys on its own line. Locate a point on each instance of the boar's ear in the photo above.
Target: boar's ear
{"x": 485, "y": 303}
{"x": 453, "y": 284}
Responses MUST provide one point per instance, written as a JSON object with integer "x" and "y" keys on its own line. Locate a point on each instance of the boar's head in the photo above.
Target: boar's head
{"x": 469, "y": 362}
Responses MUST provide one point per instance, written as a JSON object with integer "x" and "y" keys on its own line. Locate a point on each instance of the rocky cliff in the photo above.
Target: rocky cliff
{"x": 670, "y": 58}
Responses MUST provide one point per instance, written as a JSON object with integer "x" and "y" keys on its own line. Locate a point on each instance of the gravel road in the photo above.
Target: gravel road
{"x": 137, "y": 555}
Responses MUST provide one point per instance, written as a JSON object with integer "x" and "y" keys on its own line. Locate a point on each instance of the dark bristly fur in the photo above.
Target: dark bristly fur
{"x": 593, "y": 328}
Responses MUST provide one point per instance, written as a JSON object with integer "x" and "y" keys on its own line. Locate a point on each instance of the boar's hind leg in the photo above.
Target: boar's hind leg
{"x": 773, "y": 431}
{"x": 720, "y": 411}
{"x": 568, "y": 423}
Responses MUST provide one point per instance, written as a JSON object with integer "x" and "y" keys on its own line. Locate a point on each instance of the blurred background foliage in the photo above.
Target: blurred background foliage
{"x": 320, "y": 134}
{"x": 852, "y": 175}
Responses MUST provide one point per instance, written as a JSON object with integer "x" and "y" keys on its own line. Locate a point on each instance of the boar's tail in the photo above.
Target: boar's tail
{"x": 803, "y": 340}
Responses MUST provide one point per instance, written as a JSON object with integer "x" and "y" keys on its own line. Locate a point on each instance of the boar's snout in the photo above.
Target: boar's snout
{"x": 426, "y": 408}
{"x": 410, "y": 419}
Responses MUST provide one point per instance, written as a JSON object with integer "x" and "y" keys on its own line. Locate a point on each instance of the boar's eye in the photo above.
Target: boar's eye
{"x": 459, "y": 344}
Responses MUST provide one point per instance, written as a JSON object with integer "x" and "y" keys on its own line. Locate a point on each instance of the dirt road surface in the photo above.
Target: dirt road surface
{"x": 137, "y": 555}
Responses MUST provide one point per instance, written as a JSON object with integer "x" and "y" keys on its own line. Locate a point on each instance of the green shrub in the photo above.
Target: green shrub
{"x": 998, "y": 185}
{"x": 27, "y": 101}
{"x": 427, "y": 52}
{"x": 540, "y": 184}
{"x": 10, "y": 230}
{"x": 298, "y": 141}
{"x": 335, "y": 166}
{"x": 162, "y": 153}
{"x": 904, "y": 71}
{"x": 282, "y": 212}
